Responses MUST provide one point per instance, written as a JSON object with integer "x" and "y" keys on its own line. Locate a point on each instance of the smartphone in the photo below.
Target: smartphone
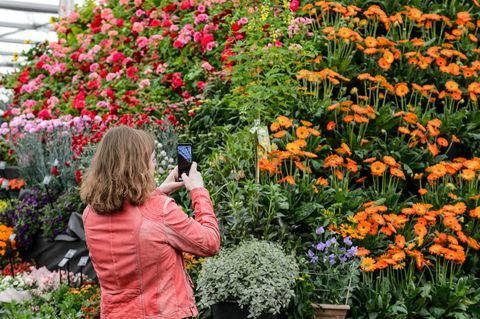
{"x": 184, "y": 155}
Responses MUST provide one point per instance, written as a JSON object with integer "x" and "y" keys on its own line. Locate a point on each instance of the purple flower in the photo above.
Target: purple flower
{"x": 321, "y": 246}
{"x": 352, "y": 252}
{"x": 320, "y": 230}
{"x": 331, "y": 259}
{"x": 347, "y": 241}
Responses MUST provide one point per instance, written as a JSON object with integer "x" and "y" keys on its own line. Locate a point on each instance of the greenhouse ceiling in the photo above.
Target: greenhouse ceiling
{"x": 25, "y": 22}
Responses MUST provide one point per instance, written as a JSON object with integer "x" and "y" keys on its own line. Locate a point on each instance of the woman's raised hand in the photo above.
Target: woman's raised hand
{"x": 170, "y": 184}
{"x": 193, "y": 179}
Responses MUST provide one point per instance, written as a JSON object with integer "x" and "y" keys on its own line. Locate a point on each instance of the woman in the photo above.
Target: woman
{"x": 136, "y": 233}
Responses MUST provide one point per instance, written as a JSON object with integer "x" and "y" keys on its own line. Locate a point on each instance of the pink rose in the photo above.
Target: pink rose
{"x": 201, "y": 85}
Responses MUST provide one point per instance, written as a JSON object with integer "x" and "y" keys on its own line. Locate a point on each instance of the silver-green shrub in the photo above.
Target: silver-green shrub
{"x": 256, "y": 274}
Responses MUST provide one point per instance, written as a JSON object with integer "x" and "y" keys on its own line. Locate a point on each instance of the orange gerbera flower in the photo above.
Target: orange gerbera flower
{"x": 388, "y": 56}
{"x": 451, "y": 86}
{"x": 293, "y": 147}
{"x": 344, "y": 149}
{"x": 422, "y": 191}
{"x": 370, "y": 42}
{"x": 378, "y": 168}
{"x": 384, "y": 64}
{"x": 468, "y": 174}
{"x": 285, "y": 121}
{"x": 397, "y": 172}
{"x": 321, "y": 181}
{"x": 433, "y": 149}
{"x": 289, "y": 179}
{"x": 331, "y": 125}
{"x": 475, "y": 213}
{"x": 313, "y": 131}
{"x": 403, "y": 130}
{"x": 442, "y": 142}
{"x": 368, "y": 264}
{"x": 400, "y": 241}
{"x": 370, "y": 160}
{"x": 362, "y": 251}
{"x": 364, "y": 227}
{"x": 280, "y": 134}
{"x": 333, "y": 161}
{"x": 389, "y": 160}
{"x": 306, "y": 123}
{"x": 274, "y": 127}
{"x": 302, "y": 132}
{"x": 401, "y": 89}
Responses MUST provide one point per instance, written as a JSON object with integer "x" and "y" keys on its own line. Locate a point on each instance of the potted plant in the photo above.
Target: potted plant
{"x": 252, "y": 280}
{"x": 334, "y": 270}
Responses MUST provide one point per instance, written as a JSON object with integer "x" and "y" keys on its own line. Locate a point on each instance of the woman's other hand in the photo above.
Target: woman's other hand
{"x": 170, "y": 184}
{"x": 193, "y": 179}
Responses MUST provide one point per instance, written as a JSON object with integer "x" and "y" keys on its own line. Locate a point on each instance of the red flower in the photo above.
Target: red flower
{"x": 44, "y": 114}
{"x": 170, "y": 8}
{"x": 236, "y": 26}
{"x": 155, "y": 23}
{"x": 119, "y": 23}
{"x": 39, "y": 65}
{"x": 24, "y": 76}
{"x": 78, "y": 176}
{"x": 131, "y": 71}
{"x": 55, "y": 171}
{"x": 79, "y": 101}
{"x": 225, "y": 54}
{"x": 294, "y": 5}
{"x": 178, "y": 44}
{"x": 201, "y": 85}
{"x": 177, "y": 81}
{"x": 186, "y": 4}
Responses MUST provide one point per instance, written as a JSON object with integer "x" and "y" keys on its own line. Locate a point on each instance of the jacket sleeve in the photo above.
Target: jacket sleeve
{"x": 199, "y": 236}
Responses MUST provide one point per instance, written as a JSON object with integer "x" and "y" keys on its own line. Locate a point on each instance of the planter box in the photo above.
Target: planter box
{"x": 231, "y": 310}
{"x": 324, "y": 311}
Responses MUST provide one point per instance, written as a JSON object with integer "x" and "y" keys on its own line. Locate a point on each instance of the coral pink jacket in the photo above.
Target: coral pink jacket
{"x": 137, "y": 255}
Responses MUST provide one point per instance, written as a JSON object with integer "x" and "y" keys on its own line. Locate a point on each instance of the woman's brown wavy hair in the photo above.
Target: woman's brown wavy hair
{"x": 119, "y": 171}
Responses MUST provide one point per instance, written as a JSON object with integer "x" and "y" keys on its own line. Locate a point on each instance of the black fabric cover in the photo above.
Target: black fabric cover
{"x": 50, "y": 253}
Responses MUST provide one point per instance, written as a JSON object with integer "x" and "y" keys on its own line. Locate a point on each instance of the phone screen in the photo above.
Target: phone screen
{"x": 184, "y": 153}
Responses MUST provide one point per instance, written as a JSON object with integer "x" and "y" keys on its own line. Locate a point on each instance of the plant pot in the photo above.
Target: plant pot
{"x": 231, "y": 310}
{"x": 325, "y": 311}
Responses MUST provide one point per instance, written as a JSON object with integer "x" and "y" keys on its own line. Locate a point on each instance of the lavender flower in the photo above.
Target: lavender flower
{"x": 320, "y": 230}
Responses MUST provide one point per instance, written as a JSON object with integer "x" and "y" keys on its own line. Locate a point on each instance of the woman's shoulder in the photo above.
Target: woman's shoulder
{"x": 154, "y": 207}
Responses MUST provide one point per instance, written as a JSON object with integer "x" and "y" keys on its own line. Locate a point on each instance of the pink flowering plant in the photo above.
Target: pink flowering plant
{"x": 124, "y": 57}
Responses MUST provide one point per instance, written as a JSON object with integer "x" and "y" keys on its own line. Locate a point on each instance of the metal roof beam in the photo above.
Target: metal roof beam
{"x": 23, "y": 26}
{"x": 8, "y": 64}
{"x": 28, "y": 6}
{"x": 7, "y": 53}
{"x": 17, "y": 41}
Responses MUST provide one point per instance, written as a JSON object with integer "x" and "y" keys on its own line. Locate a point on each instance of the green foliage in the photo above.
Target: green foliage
{"x": 63, "y": 303}
{"x": 256, "y": 274}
